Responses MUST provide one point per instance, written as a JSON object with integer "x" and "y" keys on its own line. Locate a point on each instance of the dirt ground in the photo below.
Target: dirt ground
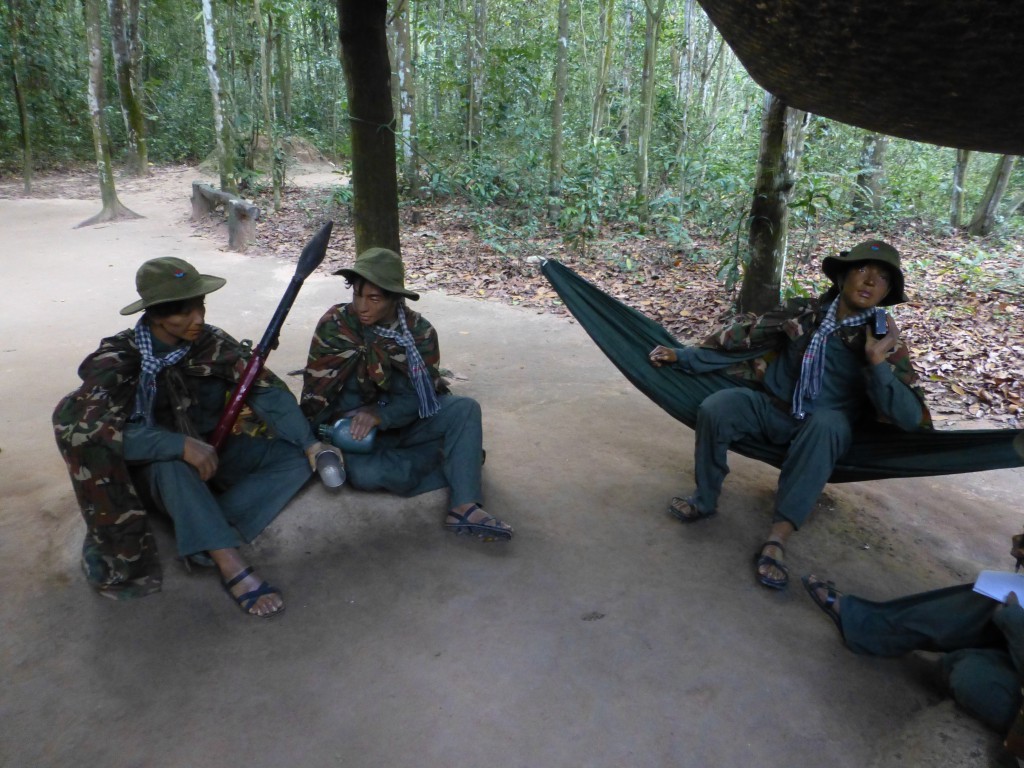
{"x": 605, "y": 634}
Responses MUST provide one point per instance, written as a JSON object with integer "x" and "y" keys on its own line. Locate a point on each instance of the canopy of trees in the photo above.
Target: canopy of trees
{"x": 628, "y": 115}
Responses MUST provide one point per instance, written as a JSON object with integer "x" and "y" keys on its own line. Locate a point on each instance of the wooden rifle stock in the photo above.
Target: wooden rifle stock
{"x": 312, "y": 255}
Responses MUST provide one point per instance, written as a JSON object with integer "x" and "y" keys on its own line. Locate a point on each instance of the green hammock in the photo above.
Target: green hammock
{"x": 879, "y": 451}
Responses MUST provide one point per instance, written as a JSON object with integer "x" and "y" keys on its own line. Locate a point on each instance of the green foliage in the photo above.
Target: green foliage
{"x": 702, "y": 155}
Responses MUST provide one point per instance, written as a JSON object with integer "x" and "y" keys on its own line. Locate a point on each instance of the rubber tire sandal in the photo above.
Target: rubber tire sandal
{"x": 761, "y": 560}
{"x": 675, "y": 508}
{"x": 247, "y": 600}
{"x": 488, "y": 529}
{"x": 832, "y": 596}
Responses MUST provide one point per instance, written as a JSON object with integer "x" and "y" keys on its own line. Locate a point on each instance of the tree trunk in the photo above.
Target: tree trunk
{"x": 652, "y": 31}
{"x": 476, "y": 45}
{"x": 626, "y": 87}
{"x": 284, "y": 54}
{"x": 14, "y": 25}
{"x": 131, "y": 99}
{"x": 362, "y": 30}
{"x": 561, "y": 78}
{"x": 406, "y": 97}
{"x": 273, "y": 137}
{"x": 221, "y": 131}
{"x": 599, "y": 113}
{"x": 956, "y": 200}
{"x": 867, "y": 196}
{"x": 112, "y": 208}
{"x": 984, "y": 220}
{"x": 781, "y": 139}
{"x": 683, "y": 94}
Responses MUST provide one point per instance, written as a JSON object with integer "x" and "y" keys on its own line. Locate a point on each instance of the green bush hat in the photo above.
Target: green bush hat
{"x": 170, "y": 279}
{"x": 870, "y": 250}
{"x": 381, "y": 267}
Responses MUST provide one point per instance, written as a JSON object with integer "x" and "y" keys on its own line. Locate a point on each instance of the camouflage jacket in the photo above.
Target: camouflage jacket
{"x": 119, "y": 553}
{"x": 342, "y": 347}
{"x": 796, "y": 322}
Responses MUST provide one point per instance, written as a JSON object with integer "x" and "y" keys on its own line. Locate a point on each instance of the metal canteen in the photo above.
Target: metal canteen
{"x": 339, "y": 434}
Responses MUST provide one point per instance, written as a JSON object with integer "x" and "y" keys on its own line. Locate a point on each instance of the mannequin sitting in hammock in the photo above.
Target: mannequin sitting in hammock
{"x": 805, "y": 375}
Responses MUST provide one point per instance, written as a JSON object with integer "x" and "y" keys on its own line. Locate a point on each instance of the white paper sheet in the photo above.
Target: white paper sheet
{"x": 998, "y": 584}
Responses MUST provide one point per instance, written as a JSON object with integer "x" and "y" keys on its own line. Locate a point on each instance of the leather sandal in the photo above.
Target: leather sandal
{"x": 761, "y": 560}
{"x": 488, "y": 528}
{"x": 812, "y": 584}
{"x": 247, "y": 600}
{"x": 684, "y": 509}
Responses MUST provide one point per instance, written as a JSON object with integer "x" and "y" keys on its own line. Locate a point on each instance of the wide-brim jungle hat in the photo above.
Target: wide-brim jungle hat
{"x": 170, "y": 279}
{"x": 870, "y": 250}
{"x": 383, "y": 268}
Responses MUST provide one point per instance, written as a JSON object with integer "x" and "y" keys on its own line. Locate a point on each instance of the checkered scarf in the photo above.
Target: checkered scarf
{"x": 812, "y": 369}
{"x": 145, "y": 391}
{"x": 418, "y": 373}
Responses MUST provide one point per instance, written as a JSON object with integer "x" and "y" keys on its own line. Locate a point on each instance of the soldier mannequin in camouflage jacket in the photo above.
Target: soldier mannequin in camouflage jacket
{"x": 134, "y": 442}
{"x": 814, "y": 370}
{"x": 375, "y": 361}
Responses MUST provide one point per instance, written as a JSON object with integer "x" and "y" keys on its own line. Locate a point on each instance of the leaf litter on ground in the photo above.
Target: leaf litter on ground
{"x": 963, "y": 322}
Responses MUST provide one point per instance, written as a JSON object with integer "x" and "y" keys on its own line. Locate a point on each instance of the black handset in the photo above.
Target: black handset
{"x": 880, "y": 327}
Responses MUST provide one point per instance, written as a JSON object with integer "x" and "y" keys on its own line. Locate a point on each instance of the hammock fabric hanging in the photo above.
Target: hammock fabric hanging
{"x": 879, "y": 451}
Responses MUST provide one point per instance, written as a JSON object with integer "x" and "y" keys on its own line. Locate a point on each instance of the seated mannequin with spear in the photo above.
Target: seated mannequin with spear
{"x": 148, "y": 429}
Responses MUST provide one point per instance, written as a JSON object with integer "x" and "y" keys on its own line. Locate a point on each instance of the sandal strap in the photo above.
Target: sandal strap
{"x": 250, "y": 598}
{"x": 238, "y": 577}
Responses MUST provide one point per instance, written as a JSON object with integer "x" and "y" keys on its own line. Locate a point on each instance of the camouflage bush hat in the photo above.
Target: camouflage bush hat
{"x": 870, "y": 250}
{"x": 381, "y": 267}
{"x": 170, "y": 279}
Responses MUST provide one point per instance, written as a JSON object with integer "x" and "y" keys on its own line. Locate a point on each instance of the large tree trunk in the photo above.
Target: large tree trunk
{"x": 956, "y": 199}
{"x": 476, "y": 45}
{"x": 653, "y": 29}
{"x": 14, "y": 25}
{"x": 599, "y": 112}
{"x": 781, "y": 142}
{"x": 221, "y": 130}
{"x": 406, "y": 97}
{"x": 867, "y": 196}
{"x": 131, "y": 98}
{"x": 561, "y": 77}
{"x": 362, "y": 29}
{"x": 112, "y": 208}
{"x": 984, "y": 220}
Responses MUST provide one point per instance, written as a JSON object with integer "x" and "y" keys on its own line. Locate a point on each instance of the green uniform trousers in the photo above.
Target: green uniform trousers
{"x": 258, "y": 476}
{"x": 981, "y": 646}
{"x": 815, "y": 445}
{"x": 444, "y": 450}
